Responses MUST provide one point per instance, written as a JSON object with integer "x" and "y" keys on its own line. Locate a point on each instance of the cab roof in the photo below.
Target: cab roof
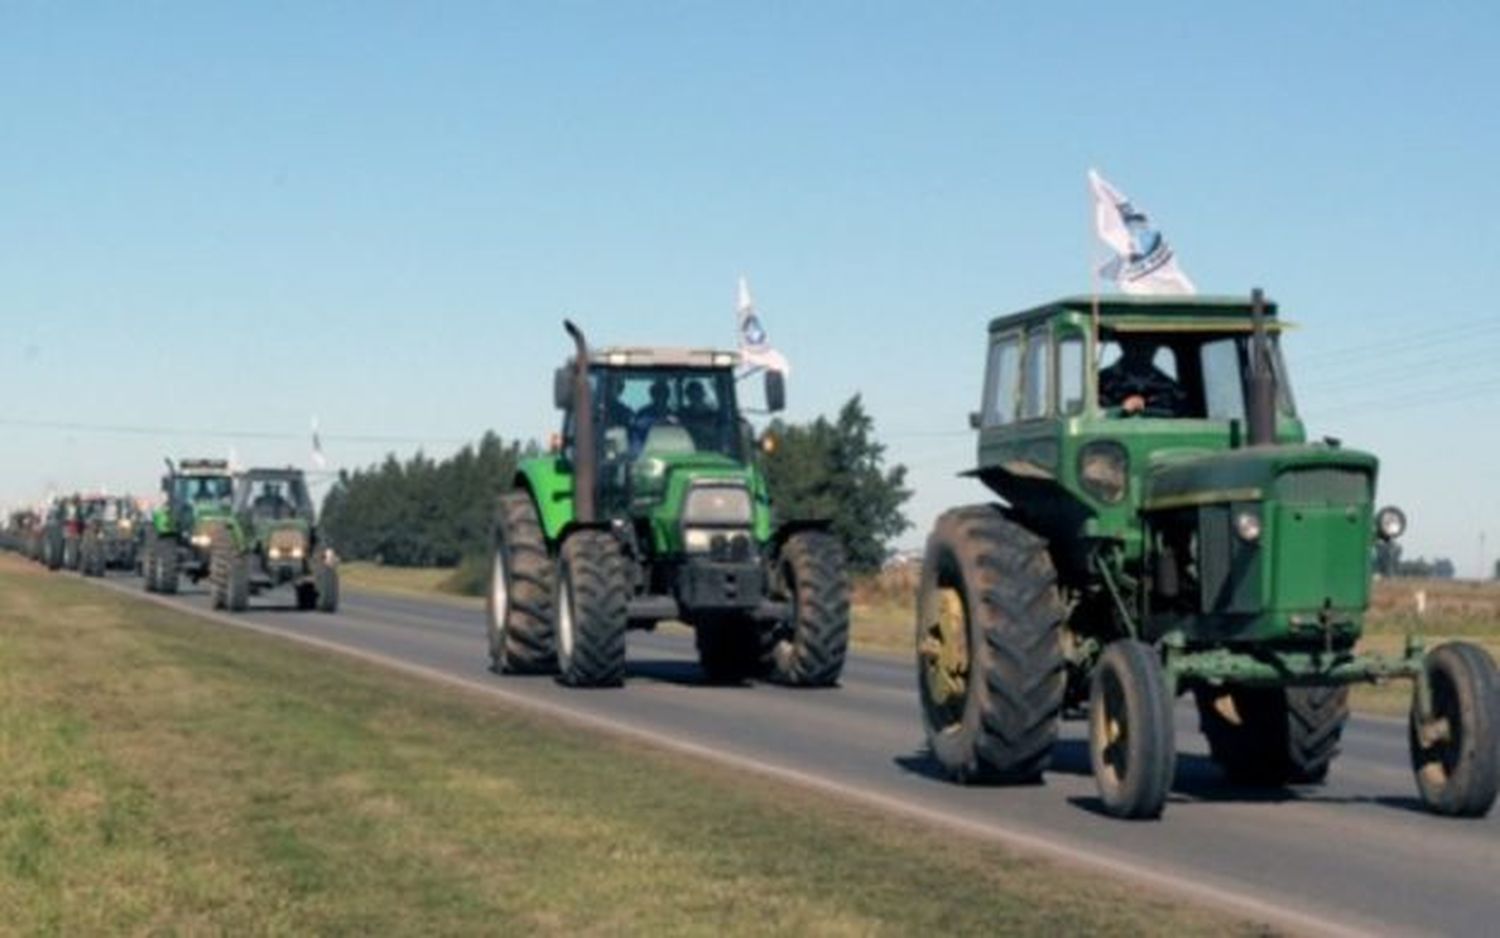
{"x": 619, "y": 356}
{"x": 1138, "y": 311}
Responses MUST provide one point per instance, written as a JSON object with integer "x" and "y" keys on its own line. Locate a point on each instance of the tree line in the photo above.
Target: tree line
{"x": 426, "y": 512}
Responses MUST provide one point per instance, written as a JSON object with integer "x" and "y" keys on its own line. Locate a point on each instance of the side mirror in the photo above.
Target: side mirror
{"x": 562, "y": 388}
{"x": 775, "y": 391}
{"x": 973, "y": 420}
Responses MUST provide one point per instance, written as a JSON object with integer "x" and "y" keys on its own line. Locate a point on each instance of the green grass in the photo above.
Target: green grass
{"x": 163, "y": 774}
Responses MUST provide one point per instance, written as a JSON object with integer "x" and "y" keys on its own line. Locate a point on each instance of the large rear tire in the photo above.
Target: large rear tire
{"x": 591, "y": 603}
{"x": 1131, "y": 733}
{"x": 807, "y": 650}
{"x": 1273, "y": 736}
{"x": 229, "y": 573}
{"x": 989, "y": 647}
{"x": 1456, "y": 756}
{"x": 520, "y": 591}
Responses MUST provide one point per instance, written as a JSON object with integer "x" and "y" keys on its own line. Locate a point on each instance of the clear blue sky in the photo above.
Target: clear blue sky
{"x": 233, "y": 216}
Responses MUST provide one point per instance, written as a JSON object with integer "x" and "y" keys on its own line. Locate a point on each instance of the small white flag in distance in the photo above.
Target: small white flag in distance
{"x": 318, "y": 458}
{"x": 1143, "y": 261}
{"x": 755, "y": 348}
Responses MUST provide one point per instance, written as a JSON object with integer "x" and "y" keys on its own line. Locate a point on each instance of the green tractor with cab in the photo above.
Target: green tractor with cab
{"x": 196, "y": 498}
{"x": 270, "y": 539}
{"x": 651, "y": 508}
{"x": 1167, "y": 529}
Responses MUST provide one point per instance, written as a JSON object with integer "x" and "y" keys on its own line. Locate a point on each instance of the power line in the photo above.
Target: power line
{"x": 70, "y": 426}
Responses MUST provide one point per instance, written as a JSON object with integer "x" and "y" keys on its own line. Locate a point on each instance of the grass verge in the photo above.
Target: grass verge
{"x": 160, "y": 773}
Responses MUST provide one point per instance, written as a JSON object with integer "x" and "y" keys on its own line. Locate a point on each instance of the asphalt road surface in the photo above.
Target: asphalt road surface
{"x": 1355, "y": 855}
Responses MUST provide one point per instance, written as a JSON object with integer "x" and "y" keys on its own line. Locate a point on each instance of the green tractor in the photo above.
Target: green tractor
{"x": 270, "y": 539}
{"x": 1168, "y": 529}
{"x": 652, "y": 509}
{"x": 196, "y": 496}
{"x": 112, "y": 536}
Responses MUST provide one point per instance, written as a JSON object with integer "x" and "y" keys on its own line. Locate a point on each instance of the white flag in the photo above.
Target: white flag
{"x": 1143, "y": 261}
{"x": 755, "y": 349}
{"x": 318, "y": 458}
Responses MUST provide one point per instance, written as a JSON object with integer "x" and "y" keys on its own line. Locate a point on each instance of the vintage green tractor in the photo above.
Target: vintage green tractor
{"x": 196, "y": 497}
{"x": 653, "y": 509}
{"x": 270, "y": 539}
{"x": 1167, "y": 529}
{"x": 112, "y": 534}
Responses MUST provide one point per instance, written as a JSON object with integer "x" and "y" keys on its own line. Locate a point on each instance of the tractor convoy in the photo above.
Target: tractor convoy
{"x": 1164, "y": 530}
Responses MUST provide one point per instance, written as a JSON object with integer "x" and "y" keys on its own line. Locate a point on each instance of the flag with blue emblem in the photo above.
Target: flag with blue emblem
{"x": 755, "y": 348}
{"x": 1143, "y": 262}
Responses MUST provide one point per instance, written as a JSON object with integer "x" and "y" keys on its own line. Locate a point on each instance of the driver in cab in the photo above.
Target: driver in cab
{"x": 1137, "y": 387}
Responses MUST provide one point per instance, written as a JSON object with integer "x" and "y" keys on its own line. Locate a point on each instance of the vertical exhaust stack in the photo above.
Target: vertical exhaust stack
{"x": 1261, "y": 407}
{"x": 585, "y": 446}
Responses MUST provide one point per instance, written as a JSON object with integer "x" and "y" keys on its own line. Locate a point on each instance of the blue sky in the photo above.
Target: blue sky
{"x": 231, "y": 217}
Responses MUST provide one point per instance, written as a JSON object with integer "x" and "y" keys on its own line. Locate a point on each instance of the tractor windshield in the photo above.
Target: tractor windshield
{"x": 1184, "y": 375}
{"x": 645, "y": 411}
{"x": 273, "y": 497}
{"x": 202, "y": 488}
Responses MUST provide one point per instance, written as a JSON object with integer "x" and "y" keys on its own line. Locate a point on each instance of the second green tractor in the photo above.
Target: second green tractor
{"x": 653, "y": 508}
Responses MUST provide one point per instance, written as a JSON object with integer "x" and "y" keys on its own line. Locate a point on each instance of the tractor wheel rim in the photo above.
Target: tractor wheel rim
{"x": 945, "y": 655}
{"x": 565, "y": 621}
{"x": 499, "y": 592}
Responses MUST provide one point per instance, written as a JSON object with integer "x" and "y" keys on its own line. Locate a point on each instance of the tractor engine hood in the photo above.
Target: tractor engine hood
{"x": 1302, "y": 473}
{"x": 654, "y": 473}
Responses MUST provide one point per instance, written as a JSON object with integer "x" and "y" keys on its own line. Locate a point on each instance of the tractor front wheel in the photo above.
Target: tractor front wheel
{"x": 326, "y": 582}
{"x": 591, "y": 602}
{"x": 1455, "y": 752}
{"x": 807, "y": 649}
{"x": 989, "y": 647}
{"x": 1131, "y": 745}
{"x": 520, "y": 594}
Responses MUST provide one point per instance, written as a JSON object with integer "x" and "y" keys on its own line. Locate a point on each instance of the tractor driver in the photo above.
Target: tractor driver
{"x": 270, "y": 503}
{"x": 1136, "y": 386}
{"x": 650, "y": 415}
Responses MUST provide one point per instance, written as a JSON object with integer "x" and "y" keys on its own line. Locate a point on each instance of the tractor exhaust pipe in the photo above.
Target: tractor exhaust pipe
{"x": 585, "y": 446}
{"x": 1262, "y": 404}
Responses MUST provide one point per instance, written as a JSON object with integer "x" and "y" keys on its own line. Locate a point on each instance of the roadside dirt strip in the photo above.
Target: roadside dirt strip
{"x": 1355, "y": 856}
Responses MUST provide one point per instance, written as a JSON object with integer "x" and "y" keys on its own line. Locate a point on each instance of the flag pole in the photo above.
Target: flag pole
{"x": 1094, "y": 295}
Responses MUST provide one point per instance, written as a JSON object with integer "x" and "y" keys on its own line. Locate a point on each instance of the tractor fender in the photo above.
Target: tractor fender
{"x": 784, "y": 531}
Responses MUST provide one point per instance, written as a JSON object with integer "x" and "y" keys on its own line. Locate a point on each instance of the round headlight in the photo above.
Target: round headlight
{"x": 1390, "y": 523}
{"x": 1102, "y": 467}
{"x": 1247, "y": 526}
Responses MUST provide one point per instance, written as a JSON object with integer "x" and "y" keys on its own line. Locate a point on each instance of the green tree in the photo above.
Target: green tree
{"x": 836, "y": 470}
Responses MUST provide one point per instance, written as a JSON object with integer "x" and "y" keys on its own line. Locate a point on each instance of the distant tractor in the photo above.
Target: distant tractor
{"x": 652, "y": 508}
{"x": 270, "y": 539}
{"x": 196, "y": 497}
{"x": 62, "y": 532}
{"x": 112, "y": 536}
{"x": 1167, "y": 529}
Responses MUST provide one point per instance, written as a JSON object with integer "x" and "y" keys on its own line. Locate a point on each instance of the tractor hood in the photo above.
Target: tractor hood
{"x": 1299, "y": 473}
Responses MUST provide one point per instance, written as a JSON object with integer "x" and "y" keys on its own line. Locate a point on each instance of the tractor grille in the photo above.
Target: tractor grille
{"x": 287, "y": 540}
{"x": 1323, "y": 485}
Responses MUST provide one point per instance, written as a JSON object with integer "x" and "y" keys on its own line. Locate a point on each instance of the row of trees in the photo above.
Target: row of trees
{"x": 426, "y": 512}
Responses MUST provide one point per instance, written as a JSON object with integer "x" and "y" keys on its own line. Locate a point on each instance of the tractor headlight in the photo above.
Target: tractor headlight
{"x": 1390, "y": 523}
{"x": 1247, "y": 526}
{"x": 202, "y": 540}
{"x": 1102, "y": 470}
{"x": 716, "y": 506}
{"x": 724, "y": 544}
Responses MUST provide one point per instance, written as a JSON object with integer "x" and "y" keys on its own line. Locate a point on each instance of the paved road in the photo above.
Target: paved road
{"x": 1355, "y": 855}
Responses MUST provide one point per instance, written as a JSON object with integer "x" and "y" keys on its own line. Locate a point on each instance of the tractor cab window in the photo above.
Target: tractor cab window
{"x": 202, "y": 489}
{"x": 274, "y": 498}
{"x": 645, "y": 411}
{"x": 1070, "y": 375}
{"x": 1181, "y": 375}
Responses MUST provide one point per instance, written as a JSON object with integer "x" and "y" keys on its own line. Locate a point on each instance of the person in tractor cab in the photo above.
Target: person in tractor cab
{"x": 658, "y": 411}
{"x": 270, "y": 503}
{"x": 617, "y": 413}
{"x": 1136, "y": 386}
